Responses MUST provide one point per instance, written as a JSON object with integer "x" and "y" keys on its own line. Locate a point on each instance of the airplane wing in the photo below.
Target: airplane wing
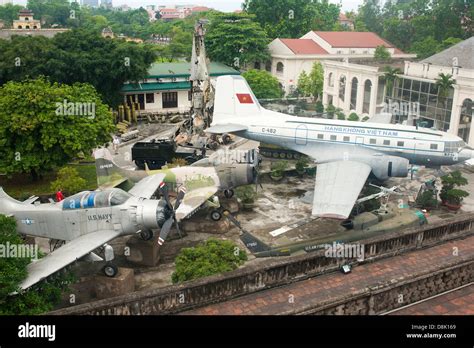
{"x": 65, "y": 255}
{"x": 193, "y": 200}
{"x": 226, "y": 128}
{"x": 146, "y": 187}
{"x": 338, "y": 184}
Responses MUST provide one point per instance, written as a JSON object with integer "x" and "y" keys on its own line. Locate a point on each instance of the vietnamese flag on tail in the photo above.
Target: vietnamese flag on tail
{"x": 245, "y": 98}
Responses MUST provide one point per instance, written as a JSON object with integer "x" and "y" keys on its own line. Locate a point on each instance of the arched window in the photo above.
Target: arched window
{"x": 27, "y": 27}
{"x": 342, "y": 88}
{"x": 465, "y": 121}
{"x": 354, "y": 86}
{"x": 280, "y": 67}
{"x": 331, "y": 80}
{"x": 367, "y": 92}
{"x": 35, "y": 27}
{"x": 268, "y": 66}
{"x": 20, "y": 27}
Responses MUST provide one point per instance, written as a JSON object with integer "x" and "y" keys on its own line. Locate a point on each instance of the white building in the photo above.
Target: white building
{"x": 361, "y": 88}
{"x": 167, "y": 88}
{"x": 290, "y": 57}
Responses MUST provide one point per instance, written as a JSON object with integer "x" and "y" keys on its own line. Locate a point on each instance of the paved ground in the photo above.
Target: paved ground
{"x": 459, "y": 302}
{"x": 335, "y": 285}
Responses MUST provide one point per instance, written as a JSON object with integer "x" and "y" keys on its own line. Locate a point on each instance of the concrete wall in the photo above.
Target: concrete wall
{"x": 49, "y": 33}
{"x": 270, "y": 273}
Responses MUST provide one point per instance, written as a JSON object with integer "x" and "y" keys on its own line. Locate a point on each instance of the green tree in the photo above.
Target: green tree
{"x": 312, "y": 84}
{"x": 77, "y": 56}
{"x": 370, "y": 14}
{"x": 9, "y": 13}
{"x": 445, "y": 84}
{"x": 39, "y": 299}
{"x": 69, "y": 181}
{"x": 263, "y": 84}
{"x": 208, "y": 258}
{"x": 293, "y": 18}
{"x": 425, "y": 48}
{"x": 236, "y": 40}
{"x": 37, "y": 133}
{"x": 390, "y": 76}
{"x": 331, "y": 110}
{"x": 450, "y": 191}
{"x": 382, "y": 54}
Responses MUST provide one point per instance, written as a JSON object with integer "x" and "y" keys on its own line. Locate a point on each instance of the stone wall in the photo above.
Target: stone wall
{"x": 272, "y": 273}
{"x": 49, "y": 33}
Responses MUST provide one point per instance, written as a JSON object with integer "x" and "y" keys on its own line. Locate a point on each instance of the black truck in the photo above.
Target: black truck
{"x": 158, "y": 153}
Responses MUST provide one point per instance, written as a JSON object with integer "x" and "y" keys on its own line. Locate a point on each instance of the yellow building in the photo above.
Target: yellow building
{"x": 26, "y": 20}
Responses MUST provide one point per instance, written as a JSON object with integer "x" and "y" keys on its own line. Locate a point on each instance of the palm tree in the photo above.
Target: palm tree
{"x": 390, "y": 76}
{"x": 444, "y": 83}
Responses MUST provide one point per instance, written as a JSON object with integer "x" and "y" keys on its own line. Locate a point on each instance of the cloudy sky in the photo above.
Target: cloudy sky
{"x": 222, "y": 5}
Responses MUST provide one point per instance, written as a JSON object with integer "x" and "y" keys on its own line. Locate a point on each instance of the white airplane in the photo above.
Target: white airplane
{"x": 346, "y": 152}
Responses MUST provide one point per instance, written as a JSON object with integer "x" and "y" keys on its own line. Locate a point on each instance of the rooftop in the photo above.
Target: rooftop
{"x": 183, "y": 69}
{"x": 303, "y": 46}
{"x": 463, "y": 51}
{"x": 353, "y": 39}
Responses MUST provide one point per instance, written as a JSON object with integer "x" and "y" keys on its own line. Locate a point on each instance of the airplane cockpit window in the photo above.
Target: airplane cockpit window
{"x": 96, "y": 199}
{"x": 454, "y": 146}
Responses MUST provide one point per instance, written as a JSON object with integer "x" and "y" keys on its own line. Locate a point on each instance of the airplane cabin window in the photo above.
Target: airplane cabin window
{"x": 373, "y": 141}
{"x": 401, "y": 144}
{"x": 320, "y": 136}
{"x": 347, "y": 139}
{"x": 333, "y": 137}
{"x": 386, "y": 142}
{"x": 434, "y": 146}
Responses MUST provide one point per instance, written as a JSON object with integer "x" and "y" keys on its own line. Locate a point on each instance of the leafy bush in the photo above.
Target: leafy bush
{"x": 353, "y": 117}
{"x": 427, "y": 200}
{"x": 331, "y": 109}
{"x": 301, "y": 164}
{"x": 319, "y": 107}
{"x": 450, "y": 192}
{"x": 69, "y": 181}
{"x": 365, "y": 119}
{"x": 340, "y": 115}
{"x": 208, "y": 258}
{"x": 246, "y": 194}
{"x": 278, "y": 168}
{"x": 38, "y": 299}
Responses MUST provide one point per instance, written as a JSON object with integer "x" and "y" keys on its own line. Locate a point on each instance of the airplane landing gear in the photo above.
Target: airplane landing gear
{"x": 229, "y": 193}
{"x": 146, "y": 235}
{"x": 216, "y": 215}
{"x": 110, "y": 270}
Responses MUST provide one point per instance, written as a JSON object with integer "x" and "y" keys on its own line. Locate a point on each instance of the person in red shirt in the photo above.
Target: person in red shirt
{"x": 59, "y": 195}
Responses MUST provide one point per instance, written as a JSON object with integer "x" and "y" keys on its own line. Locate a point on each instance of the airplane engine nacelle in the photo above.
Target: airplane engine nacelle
{"x": 390, "y": 167}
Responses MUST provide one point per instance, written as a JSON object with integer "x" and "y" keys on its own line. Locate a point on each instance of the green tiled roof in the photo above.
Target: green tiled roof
{"x": 144, "y": 87}
{"x": 164, "y": 70}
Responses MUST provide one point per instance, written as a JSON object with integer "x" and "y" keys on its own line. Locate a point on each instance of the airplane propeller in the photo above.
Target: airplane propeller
{"x": 166, "y": 228}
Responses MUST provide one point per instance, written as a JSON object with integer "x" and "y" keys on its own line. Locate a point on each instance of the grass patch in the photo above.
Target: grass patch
{"x": 21, "y": 186}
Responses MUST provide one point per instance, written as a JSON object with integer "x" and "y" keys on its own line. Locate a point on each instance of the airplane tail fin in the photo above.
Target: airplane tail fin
{"x": 108, "y": 173}
{"x": 234, "y": 100}
{"x": 254, "y": 244}
{"x": 7, "y": 202}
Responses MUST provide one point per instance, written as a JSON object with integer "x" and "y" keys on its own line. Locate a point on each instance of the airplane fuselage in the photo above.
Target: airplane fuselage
{"x": 353, "y": 140}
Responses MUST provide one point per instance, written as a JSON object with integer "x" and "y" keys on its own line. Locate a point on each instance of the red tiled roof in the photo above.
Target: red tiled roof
{"x": 303, "y": 46}
{"x": 200, "y": 9}
{"x": 352, "y": 39}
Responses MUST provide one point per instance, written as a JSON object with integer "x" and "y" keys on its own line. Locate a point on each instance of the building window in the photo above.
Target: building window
{"x": 354, "y": 87}
{"x": 331, "y": 80}
{"x": 386, "y": 142}
{"x": 434, "y": 146}
{"x": 268, "y": 66}
{"x": 150, "y": 98}
{"x": 333, "y": 138}
{"x": 342, "y": 88}
{"x": 170, "y": 100}
{"x": 373, "y": 141}
{"x": 401, "y": 144}
{"x": 367, "y": 93}
{"x": 321, "y": 136}
{"x": 190, "y": 95}
{"x": 347, "y": 139}
{"x": 280, "y": 67}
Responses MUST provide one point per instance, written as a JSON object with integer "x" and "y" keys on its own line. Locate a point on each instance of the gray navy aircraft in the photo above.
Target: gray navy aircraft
{"x": 89, "y": 220}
